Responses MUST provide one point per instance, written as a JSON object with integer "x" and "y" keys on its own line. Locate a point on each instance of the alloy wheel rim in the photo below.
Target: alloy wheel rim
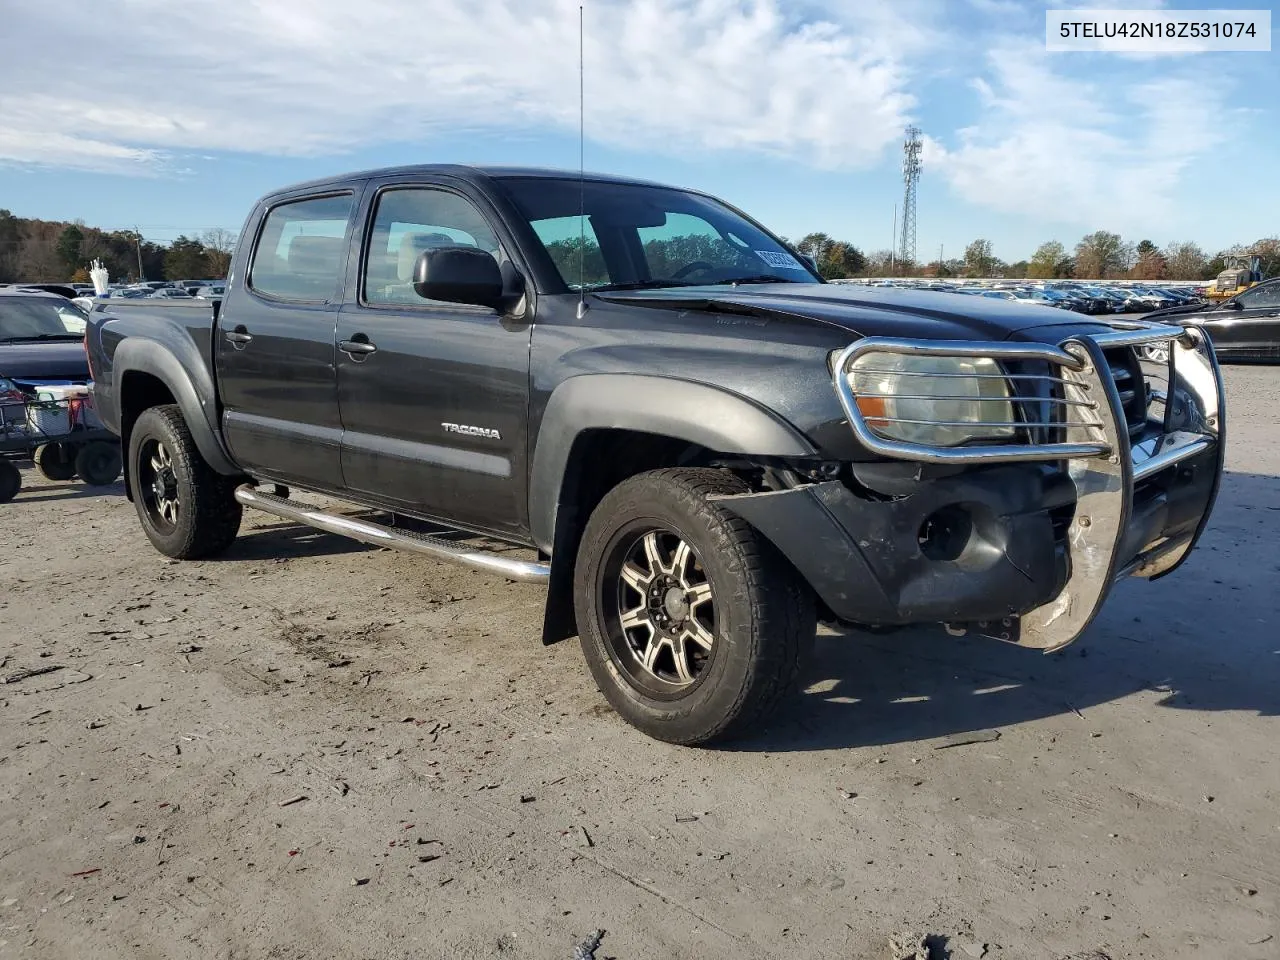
{"x": 665, "y": 611}
{"x": 159, "y": 484}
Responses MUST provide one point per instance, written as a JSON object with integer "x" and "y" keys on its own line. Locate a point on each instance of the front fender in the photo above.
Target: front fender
{"x": 680, "y": 409}
{"x": 182, "y": 370}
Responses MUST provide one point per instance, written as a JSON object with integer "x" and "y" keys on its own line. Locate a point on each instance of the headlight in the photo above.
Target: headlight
{"x": 935, "y": 401}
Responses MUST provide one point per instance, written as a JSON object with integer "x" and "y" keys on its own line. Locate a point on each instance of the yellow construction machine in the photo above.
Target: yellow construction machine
{"x": 1240, "y": 273}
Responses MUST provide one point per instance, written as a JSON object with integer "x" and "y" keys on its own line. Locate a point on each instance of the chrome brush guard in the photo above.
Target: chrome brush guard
{"x": 1083, "y": 426}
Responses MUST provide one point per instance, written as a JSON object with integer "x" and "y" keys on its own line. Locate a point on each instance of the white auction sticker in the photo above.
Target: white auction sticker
{"x": 775, "y": 258}
{"x": 1158, "y": 31}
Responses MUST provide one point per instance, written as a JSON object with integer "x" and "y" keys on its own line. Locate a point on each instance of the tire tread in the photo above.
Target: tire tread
{"x": 779, "y": 621}
{"x": 215, "y": 510}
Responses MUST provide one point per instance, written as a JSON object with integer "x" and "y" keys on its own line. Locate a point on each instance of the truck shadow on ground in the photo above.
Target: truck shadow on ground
{"x": 287, "y": 540}
{"x": 48, "y": 491}
{"x": 1206, "y": 638}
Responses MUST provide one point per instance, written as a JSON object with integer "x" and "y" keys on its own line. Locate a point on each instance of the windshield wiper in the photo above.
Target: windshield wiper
{"x": 43, "y": 336}
{"x": 760, "y": 278}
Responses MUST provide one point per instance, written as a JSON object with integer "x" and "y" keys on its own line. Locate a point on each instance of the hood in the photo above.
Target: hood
{"x": 48, "y": 360}
{"x": 870, "y": 311}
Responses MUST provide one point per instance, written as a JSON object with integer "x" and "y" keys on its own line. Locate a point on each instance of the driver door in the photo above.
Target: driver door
{"x": 433, "y": 396}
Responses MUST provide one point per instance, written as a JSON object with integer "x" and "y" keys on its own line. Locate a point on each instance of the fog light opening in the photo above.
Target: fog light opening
{"x": 946, "y": 533}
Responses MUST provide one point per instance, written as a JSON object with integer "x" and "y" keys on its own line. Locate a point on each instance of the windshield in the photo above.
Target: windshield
{"x": 38, "y": 318}
{"x": 641, "y": 236}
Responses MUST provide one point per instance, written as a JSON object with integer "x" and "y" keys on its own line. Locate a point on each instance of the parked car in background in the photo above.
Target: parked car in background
{"x": 41, "y": 337}
{"x": 1245, "y": 327}
{"x": 86, "y": 305}
{"x": 1067, "y": 301}
{"x": 170, "y": 293}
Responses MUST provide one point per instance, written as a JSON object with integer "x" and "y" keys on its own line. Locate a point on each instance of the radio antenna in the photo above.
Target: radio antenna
{"x": 582, "y": 177}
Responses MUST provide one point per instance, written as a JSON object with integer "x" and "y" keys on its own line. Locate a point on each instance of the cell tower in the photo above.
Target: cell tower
{"x": 910, "y": 177}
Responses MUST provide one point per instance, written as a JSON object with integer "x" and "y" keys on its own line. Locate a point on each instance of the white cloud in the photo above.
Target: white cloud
{"x": 145, "y": 86}
{"x": 138, "y": 80}
{"x": 1105, "y": 153}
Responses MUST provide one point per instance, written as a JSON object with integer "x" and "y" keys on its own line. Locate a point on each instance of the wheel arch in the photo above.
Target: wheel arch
{"x": 599, "y": 429}
{"x": 147, "y": 374}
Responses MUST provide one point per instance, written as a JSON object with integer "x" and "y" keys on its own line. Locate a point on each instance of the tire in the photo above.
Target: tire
{"x": 187, "y": 510}
{"x": 638, "y": 595}
{"x": 53, "y": 463}
{"x": 10, "y": 480}
{"x": 98, "y": 463}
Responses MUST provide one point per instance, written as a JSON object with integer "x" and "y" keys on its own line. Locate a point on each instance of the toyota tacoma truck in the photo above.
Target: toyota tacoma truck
{"x": 642, "y": 399}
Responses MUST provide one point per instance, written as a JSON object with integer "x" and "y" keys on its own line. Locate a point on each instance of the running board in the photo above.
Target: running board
{"x": 527, "y": 571}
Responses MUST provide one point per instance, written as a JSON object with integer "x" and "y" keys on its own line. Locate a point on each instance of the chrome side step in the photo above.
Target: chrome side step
{"x": 527, "y": 571}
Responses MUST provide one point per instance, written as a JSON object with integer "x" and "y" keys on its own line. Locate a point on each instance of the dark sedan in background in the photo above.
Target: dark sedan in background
{"x": 1245, "y": 327}
{"x": 37, "y": 341}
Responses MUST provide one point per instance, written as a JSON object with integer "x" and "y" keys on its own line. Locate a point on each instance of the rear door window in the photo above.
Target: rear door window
{"x": 302, "y": 249}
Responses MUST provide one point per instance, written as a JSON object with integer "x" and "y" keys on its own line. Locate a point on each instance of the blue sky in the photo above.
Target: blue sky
{"x": 176, "y": 116}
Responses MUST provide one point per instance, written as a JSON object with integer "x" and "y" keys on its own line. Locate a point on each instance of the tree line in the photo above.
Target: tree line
{"x": 48, "y": 251}
{"x": 1102, "y": 255}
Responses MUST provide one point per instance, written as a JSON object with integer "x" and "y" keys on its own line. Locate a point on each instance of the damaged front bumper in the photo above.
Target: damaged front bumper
{"x": 1025, "y": 541}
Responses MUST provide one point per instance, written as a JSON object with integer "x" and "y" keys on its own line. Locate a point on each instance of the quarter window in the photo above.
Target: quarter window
{"x": 409, "y": 222}
{"x": 302, "y": 249}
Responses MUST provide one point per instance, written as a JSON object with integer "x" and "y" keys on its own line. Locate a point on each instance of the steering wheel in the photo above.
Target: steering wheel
{"x": 688, "y": 268}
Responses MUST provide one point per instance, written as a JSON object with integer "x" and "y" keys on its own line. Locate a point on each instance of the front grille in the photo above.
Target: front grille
{"x": 1126, "y": 371}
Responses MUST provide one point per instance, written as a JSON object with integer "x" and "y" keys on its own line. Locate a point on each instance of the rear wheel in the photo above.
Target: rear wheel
{"x": 10, "y": 480}
{"x": 187, "y": 509}
{"x": 98, "y": 463}
{"x": 53, "y": 463}
{"x": 694, "y": 627}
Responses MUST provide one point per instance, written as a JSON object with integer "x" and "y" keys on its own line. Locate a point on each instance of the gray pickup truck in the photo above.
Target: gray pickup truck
{"x": 701, "y": 446}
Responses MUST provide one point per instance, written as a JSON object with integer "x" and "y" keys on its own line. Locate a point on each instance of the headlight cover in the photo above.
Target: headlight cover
{"x": 934, "y": 401}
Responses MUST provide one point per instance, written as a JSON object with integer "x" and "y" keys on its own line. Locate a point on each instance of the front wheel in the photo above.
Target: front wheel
{"x": 693, "y": 625}
{"x": 188, "y": 510}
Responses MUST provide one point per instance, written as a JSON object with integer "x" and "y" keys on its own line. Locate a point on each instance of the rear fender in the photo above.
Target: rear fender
{"x": 182, "y": 370}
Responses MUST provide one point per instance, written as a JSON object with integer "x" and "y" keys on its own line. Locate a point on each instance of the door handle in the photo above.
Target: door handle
{"x": 239, "y": 337}
{"x": 358, "y": 347}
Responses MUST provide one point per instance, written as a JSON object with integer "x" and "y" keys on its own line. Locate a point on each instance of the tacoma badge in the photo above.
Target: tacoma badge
{"x": 471, "y": 431}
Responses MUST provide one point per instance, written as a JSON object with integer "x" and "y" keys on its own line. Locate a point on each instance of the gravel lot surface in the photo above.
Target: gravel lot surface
{"x": 310, "y": 748}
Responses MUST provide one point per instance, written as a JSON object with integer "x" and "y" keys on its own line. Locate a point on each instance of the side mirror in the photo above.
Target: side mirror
{"x": 458, "y": 274}
{"x": 1234, "y": 305}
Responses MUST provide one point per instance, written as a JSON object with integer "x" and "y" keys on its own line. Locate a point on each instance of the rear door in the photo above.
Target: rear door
{"x": 433, "y": 395}
{"x": 274, "y": 343}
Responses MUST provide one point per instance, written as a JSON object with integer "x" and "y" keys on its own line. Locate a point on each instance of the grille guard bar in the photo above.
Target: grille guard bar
{"x": 1096, "y": 452}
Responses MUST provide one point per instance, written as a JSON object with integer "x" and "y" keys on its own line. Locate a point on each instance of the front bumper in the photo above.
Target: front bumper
{"x": 1034, "y": 535}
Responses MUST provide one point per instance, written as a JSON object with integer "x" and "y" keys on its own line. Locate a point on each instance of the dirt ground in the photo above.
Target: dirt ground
{"x": 314, "y": 749}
